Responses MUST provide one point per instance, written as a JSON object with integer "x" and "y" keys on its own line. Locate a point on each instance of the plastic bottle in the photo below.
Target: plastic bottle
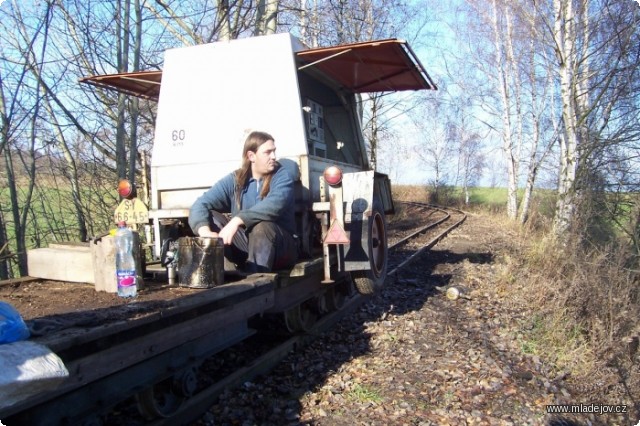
{"x": 125, "y": 263}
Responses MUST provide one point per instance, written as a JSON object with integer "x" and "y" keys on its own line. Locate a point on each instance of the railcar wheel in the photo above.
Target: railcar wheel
{"x": 335, "y": 298}
{"x": 371, "y": 281}
{"x": 300, "y": 318}
{"x": 163, "y": 399}
{"x": 323, "y": 303}
{"x": 331, "y": 300}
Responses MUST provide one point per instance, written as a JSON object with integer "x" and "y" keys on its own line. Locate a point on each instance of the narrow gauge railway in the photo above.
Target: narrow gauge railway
{"x": 135, "y": 365}
{"x": 425, "y": 226}
{"x": 153, "y": 352}
{"x": 437, "y": 224}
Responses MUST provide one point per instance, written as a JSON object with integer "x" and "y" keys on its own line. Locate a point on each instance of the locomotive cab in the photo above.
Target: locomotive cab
{"x": 209, "y": 96}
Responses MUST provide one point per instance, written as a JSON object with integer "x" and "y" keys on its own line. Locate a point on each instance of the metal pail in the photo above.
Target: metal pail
{"x": 200, "y": 262}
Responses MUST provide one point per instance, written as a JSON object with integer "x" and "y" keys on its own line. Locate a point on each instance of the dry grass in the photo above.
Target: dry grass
{"x": 585, "y": 303}
{"x": 417, "y": 193}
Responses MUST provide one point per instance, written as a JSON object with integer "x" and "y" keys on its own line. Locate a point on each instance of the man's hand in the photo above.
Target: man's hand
{"x": 205, "y": 231}
{"x": 227, "y": 233}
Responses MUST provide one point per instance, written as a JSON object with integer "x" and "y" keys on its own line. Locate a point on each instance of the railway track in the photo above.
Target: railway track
{"x": 403, "y": 250}
{"x": 440, "y": 222}
{"x": 186, "y": 394}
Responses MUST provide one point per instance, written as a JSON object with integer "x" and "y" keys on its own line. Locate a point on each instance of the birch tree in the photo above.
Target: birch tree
{"x": 468, "y": 146}
{"x": 595, "y": 76}
{"x": 436, "y": 145}
{"x": 494, "y": 33}
{"x": 266, "y": 17}
{"x": 556, "y": 73}
{"x": 507, "y": 83}
{"x": 565, "y": 30}
{"x": 542, "y": 111}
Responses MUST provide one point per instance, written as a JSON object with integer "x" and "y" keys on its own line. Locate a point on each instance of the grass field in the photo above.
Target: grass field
{"x": 491, "y": 199}
{"x": 51, "y": 217}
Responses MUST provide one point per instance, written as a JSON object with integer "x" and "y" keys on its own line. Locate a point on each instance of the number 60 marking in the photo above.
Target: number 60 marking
{"x": 177, "y": 135}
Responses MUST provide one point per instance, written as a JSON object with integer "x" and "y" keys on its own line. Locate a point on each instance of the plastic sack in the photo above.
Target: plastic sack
{"x": 12, "y": 326}
{"x": 28, "y": 368}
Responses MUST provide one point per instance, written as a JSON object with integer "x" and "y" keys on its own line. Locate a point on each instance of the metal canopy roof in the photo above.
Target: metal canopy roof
{"x": 144, "y": 84}
{"x": 373, "y": 66}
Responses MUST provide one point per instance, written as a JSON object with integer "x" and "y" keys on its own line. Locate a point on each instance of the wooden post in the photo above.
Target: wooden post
{"x": 103, "y": 257}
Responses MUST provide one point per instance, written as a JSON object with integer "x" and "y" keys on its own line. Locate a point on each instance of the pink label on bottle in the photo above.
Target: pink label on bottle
{"x": 126, "y": 280}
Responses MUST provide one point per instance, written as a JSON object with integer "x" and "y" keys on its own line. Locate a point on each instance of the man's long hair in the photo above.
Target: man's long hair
{"x": 252, "y": 143}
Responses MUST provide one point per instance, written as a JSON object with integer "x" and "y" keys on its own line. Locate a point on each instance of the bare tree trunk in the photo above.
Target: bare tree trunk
{"x": 20, "y": 216}
{"x": 71, "y": 173}
{"x": 4, "y": 146}
{"x": 473, "y": 161}
{"x": 564, "y": 33}
{"x": 303, "y": 21}
{"x": 31, "y": 62}
{"x": 15, "y": 209}
{"x": 271, "y": 21}
{"x": 4, "y": 250}
{"x": 528, "y": 192}
{"x": 514, "y": 72}
{"x": 508, "y": 143}
{"x": 122, "y": 31}
{"x": 266, "y": 17}
{"x": 315, "y": 22}
{"x": 127, "y": 164}
{"x": 134, "y": 110}
{"x": 537, "y": 112}
{"x": 261, "y": 8}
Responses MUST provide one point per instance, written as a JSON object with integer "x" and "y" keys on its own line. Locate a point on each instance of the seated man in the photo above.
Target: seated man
{"x": 259, "y": 196}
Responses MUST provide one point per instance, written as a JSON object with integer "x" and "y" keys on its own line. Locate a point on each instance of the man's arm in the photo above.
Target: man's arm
{"x": 219, "y": 197}
{"x": 227, "y": 233}
{"x": 279, "y": 198}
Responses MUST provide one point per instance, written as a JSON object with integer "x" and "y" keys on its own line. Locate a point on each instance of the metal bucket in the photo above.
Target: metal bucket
{"x": 200, "y": 262}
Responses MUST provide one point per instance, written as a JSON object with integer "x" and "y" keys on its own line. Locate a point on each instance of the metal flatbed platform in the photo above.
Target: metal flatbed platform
{"x": 120, "y": 358}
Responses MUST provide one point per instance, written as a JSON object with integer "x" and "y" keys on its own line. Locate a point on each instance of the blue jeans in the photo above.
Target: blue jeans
{"x": 263, "y": 248}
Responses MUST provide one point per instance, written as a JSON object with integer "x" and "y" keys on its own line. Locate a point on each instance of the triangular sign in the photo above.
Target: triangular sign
{"x": 336, "y": 234}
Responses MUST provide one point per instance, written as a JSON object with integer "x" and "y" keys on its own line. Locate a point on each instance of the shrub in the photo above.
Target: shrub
{"x": 587, "y": 299}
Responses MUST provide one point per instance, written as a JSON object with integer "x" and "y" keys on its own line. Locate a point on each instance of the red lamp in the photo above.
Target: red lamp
{"x": 125, "y": 189}
{"x": 332, "y": 175}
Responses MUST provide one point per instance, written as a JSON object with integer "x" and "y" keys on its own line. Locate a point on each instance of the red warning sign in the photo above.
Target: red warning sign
{"x": 336, "y": 234}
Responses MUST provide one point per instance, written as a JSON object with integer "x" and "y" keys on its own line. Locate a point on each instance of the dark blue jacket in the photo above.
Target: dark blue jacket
{"x": 277, "y": 206}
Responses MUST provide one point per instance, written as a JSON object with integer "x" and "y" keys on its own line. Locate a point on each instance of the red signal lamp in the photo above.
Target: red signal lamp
{"x": 332, "y": 175}
{"x": 125, "y": 189}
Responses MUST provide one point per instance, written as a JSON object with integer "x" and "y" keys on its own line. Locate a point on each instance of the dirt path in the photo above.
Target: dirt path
{"x": 412, "y": 356}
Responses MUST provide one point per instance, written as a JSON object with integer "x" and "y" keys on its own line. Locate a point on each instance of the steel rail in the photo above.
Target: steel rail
{"x": 421, "y": 230}
{"x": 196, "y": 406}
{"x": 431, "y": 243}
